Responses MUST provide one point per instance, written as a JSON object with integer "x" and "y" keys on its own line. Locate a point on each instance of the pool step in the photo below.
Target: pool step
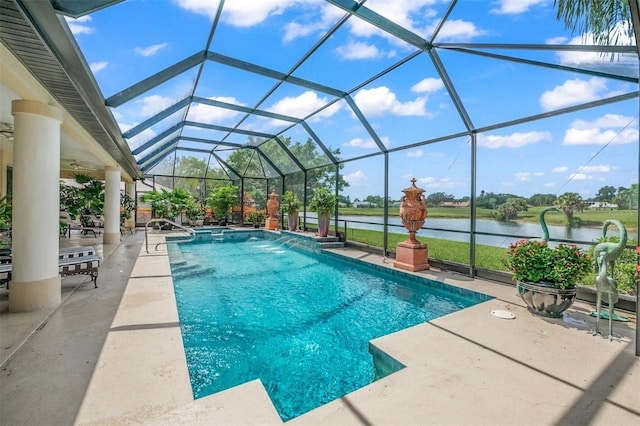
{"x": 194, "y": 271}
{"x": 186, "y": 269}
{"x": 329, "y": 242}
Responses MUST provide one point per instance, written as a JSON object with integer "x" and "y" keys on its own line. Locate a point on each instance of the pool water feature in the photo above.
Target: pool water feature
{"x": 298, "y": 321}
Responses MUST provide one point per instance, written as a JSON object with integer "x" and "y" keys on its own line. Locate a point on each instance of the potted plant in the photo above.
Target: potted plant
{"x": 5, "y": 222}
{"x": 195, "y": 213}
{"x": 127, "y": 207}
{"x": 547, "y": 277}
{"x": 256, "y": 217}
{"x": 324, "y": 203}
{"x": 221, "y": 199}
{"x": 180, "y": 200}
{"x": 291, "y": 205}
{"x": 161, "y": 205}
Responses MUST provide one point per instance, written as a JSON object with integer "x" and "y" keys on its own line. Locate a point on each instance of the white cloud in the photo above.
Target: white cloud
{"x": 428, "y": 85}
{"x": 538, "y": 173}
{"x": 610, "y": 128}
{"x": 458, "y": 30}
{"x": 209, "y": 114}
{"x": 402, "y": 12}
{"x": 151, "y": 105}
{"x": 415, "y": 154}
{"x": 150, "y": 50}
{"x": 367, "y": 143}
{"x": 514, "y": 140}
{"x": 380, "y": 101}
{"x": 80, "y": 25}
{"x": 245, "y": 14}
{"x": 581, "y": 58}
{"x": 602, "y": 168}
{"x": 356, "y": 177}
{"x": 361, "y": 143}
{"x": 295, "y": 30}
{"x": 573, "y": 92}
{"x": 98, "y": 66}
{"x": 328, "y": 16}
{"x": 523, "y": 176}
{"x": 303, "y": 105}
{"x": 556, "y": 40}
{"x": 578, "y": 176}
{"x": 433, "y": 183}
{"x": 140, "y": 138}
{"x": 426, "y": 180}
{"x": 514, "y": 7}
{"x": 415, "y": 15}
{"x": 240, "y": 13}
{"x": 358, "y": 50}
{"x": 561, "y": 169}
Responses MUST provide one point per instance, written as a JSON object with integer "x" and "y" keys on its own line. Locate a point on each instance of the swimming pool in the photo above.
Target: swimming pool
{"x": 298, "y": 321}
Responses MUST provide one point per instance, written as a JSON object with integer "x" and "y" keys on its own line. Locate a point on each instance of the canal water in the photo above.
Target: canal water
{"x": 458, "y": 229}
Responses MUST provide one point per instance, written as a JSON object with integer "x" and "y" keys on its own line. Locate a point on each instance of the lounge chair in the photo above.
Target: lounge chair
{"x": 71, "y": 261}
{"x": 74, "y": 224}
{"x": 93, "y": 221}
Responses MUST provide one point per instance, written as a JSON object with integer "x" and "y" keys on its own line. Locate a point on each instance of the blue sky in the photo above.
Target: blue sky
{"x": 576, "y": 152}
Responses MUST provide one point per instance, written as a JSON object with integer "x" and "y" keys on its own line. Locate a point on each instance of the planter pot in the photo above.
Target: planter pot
{"x": 323, "y": 223}
{"x": 545, "y": 299}
{"x": 256, "y": 225}
{"x": 413, "y": 211}
{"x": 292, "y": 221}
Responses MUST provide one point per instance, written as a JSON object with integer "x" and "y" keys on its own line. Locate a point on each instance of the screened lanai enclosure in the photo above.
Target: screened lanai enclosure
{"x": 481, "y": 102}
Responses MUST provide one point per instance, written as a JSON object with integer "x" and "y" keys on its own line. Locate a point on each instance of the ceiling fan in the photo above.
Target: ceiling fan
{"x": 6, "y": 131}
{"x": 77, "y": 166}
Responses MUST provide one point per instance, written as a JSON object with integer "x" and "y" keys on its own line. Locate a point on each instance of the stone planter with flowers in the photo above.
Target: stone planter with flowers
{"x": 547, "y": 276}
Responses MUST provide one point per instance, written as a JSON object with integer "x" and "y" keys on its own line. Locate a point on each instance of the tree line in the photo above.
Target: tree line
{"x": 624, "y": 198}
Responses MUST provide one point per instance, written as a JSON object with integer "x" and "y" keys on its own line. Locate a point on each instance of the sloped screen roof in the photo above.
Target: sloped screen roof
{"x": 350, "y": 78}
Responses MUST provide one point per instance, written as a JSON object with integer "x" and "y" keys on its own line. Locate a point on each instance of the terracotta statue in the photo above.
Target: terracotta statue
{"x": 273, "y": 205}
{"x": 411, "y": 254}
{"x": 273, "y": 212}
{"x": 413, "y": 211}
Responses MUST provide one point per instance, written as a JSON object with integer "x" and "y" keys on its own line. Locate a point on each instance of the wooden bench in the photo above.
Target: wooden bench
{"x": 71, "y": 261}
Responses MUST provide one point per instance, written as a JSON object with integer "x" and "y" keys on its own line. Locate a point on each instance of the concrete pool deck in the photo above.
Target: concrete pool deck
{"x": 114, "y": 356}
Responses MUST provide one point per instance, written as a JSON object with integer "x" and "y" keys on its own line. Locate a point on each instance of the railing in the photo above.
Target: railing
{"x": 191, "y": 232}
{"x": 509, "y": 237}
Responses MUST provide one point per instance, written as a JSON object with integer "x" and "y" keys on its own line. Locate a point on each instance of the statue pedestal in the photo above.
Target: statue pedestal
{"x": 271, "y": 223}
{"x": 411, "y": 257}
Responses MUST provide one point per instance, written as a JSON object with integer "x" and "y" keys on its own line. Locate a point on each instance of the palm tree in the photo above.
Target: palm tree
{"x": 569, "y": 202}
{"x": 607, "y": 20}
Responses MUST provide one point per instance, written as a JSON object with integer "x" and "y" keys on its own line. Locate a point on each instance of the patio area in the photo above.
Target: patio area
{"x": 113, "y": 355}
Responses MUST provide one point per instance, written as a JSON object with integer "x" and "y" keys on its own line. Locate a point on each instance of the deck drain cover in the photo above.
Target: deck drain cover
{"x": 503, "y": 314}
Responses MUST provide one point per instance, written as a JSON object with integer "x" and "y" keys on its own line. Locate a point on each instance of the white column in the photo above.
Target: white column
{"x": 36, "y": 205}
{"x": 130, "y": 189}
{"x": 111, "y": 205}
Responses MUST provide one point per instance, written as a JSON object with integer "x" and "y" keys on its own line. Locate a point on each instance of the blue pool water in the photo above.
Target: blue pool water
{"x": 298, "y": 321}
